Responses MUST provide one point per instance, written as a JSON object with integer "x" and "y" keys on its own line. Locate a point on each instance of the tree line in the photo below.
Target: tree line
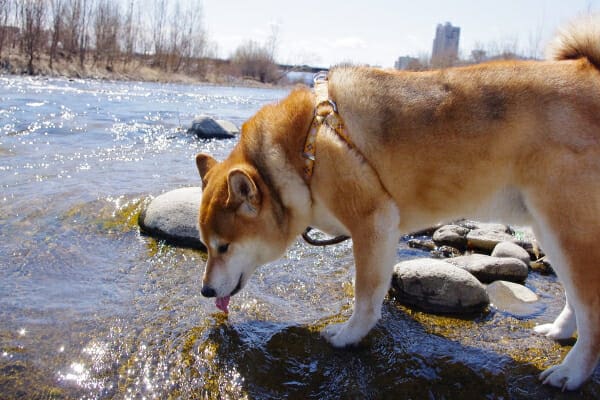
{"x": 165, "y": 34}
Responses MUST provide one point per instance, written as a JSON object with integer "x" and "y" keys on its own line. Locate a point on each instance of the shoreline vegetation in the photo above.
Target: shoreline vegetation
{"x": 155, "y": 40}
{"x": 137, "y": 69}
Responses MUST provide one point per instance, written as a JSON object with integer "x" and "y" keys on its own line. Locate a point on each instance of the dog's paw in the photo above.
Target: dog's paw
{"x": 563, "y": 376}
{"x": 341, "y": 335}
{"x": 553, "y": 332}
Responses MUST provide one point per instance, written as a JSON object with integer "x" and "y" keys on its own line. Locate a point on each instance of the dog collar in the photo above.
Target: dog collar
{"x": 325, "y": 112}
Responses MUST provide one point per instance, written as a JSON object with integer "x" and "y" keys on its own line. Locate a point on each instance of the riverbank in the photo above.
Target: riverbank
{"x": 213, "y": 71}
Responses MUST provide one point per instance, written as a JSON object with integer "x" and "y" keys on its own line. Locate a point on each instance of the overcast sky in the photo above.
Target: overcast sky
{"x": 376, "y": 32}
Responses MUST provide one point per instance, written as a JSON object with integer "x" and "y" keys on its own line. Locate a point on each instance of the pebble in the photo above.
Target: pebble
{"x": 488, "y": 269}
{"x": 173, "y": 216}
{"x": 437, "y": 286}
{"x": 511, "y": 250}
{"x": 485, "y": 239}
{"x": 451, "y": 235}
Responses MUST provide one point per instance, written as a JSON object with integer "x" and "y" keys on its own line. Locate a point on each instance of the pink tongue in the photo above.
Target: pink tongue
{"x": 222, "y": 303}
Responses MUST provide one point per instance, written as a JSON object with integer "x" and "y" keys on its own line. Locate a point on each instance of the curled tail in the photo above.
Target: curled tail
{"x": 579, "y": 39}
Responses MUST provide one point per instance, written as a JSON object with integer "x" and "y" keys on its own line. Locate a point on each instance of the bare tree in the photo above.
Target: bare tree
{"x": 83, "y": 30}
{"x": 158, "y": 20}
{"x": 107, "y": 25}
{"x": 254, "y": 61}
{"x": 57, "y": 8}
{"x": 5, "y": 6}
{"x": 130, "y": 31}
{"x": 32, "y": 14}
{"x": 72, "y": 22}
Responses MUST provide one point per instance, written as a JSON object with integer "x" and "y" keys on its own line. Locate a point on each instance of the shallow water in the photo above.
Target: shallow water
{"x": 89, "y": 308}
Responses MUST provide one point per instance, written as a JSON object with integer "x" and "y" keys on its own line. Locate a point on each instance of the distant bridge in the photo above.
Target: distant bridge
{"x": 300, "y": 68}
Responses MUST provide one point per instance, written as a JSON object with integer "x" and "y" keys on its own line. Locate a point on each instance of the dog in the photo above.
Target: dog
{"x": 514, "y": 140}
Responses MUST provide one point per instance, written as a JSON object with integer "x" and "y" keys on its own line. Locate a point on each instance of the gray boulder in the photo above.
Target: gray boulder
{"x": 173, "y": 216}
{"x": 511, "y": 250}
{"x": 437, "y": 286}
{"x": 513, "y": 298}
{"x": 487, "y": 236}
{"x": 488, "y": 269}
{"x": 209, "y": 128}
{"x": 451, "y": 235}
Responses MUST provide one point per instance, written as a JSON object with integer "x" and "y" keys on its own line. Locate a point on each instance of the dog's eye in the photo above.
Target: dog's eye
{"x": 223, "y": 248}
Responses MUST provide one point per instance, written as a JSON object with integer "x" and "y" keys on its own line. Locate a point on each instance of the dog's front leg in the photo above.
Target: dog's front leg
{"x": 375, "y": 241}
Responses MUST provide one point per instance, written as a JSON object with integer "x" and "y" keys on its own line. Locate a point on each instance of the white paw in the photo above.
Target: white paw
{"x": 342, "y": 335}
{"x": 563, "y": 376}
{"x": 553, "y": 332}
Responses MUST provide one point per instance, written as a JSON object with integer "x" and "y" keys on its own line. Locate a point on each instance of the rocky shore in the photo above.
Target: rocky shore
{"x": 472, "y": 266}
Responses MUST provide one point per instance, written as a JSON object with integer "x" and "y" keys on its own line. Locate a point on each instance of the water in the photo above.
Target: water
{"x": 89, "y": 308}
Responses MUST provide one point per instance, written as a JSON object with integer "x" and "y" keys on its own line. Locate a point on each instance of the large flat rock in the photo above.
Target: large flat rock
{"x": 173, "y": 216}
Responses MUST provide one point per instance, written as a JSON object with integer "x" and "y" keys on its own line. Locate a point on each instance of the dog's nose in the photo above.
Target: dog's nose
{"x": 207, "y": 291}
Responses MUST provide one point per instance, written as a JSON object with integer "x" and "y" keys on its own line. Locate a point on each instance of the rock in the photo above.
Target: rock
{"x": 228, "y": 126}
{"x": 421, "y": 244}
{"x": 209, "y": 128}
{"x": 486, "y": 238}
{"x": 446, "y": 252}
{"x": 488, "y": 269}
{"x": 542, "y": 266}
{"x": 173, "y": 216}
{"x": 513, "y": 298}
{"x": 511, "y": 250}
{"x": 437, "y": 286}
{"x": 451, "y": 235}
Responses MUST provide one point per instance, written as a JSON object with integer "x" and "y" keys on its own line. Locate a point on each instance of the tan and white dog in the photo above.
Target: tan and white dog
{"x": 514, "y": 140}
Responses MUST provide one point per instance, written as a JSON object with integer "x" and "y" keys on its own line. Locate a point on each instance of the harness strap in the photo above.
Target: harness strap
{"x": 325, "y": 113}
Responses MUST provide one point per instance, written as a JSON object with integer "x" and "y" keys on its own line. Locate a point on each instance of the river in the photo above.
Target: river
{"x": 90, "y": 308}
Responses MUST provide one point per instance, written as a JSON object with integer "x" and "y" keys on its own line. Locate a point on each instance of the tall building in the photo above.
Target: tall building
{"x": 445, "y": 45}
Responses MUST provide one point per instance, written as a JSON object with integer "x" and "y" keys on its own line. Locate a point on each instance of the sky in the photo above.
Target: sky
{"x": 376, "y": 32}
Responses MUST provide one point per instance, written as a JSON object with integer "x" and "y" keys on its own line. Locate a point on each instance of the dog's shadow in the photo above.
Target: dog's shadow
{"x": 398, "y": 359}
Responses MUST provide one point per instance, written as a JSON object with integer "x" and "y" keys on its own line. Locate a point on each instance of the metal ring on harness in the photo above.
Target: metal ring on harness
{"x": 324, "y": 242}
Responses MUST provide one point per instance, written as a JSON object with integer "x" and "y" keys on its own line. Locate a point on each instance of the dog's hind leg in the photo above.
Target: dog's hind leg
{"x": 568, "y": 234}
{"x": 374, "y": 253}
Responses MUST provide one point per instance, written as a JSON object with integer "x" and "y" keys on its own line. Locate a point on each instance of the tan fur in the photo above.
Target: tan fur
{"x": 517, "y": 140}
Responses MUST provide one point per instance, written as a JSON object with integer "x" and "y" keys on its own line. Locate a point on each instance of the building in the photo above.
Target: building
{"x": 445, "y": 45}
{"x": 406, "y": 62}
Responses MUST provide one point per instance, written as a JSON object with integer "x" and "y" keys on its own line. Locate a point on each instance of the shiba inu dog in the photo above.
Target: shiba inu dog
{"x": 513, "y": 140}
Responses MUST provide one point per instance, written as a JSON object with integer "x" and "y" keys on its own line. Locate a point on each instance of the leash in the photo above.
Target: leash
{"x": 322, "y": 242}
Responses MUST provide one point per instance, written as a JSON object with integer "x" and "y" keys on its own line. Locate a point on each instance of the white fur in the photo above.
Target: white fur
{"x": 367, "y": 310}
{"x": 577, "y": 365}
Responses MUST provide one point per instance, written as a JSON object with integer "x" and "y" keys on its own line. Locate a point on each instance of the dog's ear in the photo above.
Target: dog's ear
{"x": 204, "y": 162}
{"x": 243, "y": 193}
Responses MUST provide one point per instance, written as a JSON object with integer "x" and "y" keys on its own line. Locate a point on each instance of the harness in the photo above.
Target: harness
{"x": 326, "y": 113}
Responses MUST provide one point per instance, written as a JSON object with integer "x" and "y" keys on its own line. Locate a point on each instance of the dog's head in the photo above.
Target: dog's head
{"x": 242, "y": 220}
{"x": 238, "y": 226}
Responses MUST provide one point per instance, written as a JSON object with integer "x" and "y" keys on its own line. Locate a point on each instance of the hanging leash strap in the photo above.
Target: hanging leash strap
{"x": 322, "y": 242}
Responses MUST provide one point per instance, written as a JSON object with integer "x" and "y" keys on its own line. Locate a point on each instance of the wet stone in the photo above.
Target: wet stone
{"x": 173, "y": 216}
{"x": 488, "y": 269}
{"x": 451, "y": 235}
{"x": 486, "y": 238}
{"x": 208, "y": 128}
{"x": 437, "y": 286}
{"x": 513, "y": 298}
{"x": 511, "y": 250}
